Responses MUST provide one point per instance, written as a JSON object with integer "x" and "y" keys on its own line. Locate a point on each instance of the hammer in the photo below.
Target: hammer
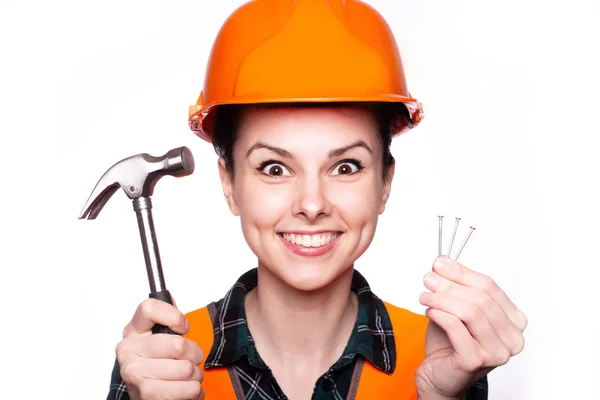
{"x": 137, "y": 175}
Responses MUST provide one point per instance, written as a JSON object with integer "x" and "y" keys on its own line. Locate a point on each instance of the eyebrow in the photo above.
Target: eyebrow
{"x": 261, "y": 145}
{"x": 342, "y": 150}
{"x": 287, "y": 154}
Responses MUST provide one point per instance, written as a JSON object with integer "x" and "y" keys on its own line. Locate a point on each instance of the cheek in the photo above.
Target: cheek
{"x": 260, "y": 205}
{"x": 358, "y": 203}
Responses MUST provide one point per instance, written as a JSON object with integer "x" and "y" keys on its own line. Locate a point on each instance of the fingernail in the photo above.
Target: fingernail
{"x": 441, "y": 265}
{"x": 424, "y": 297}
{"x": 430, "y": 280}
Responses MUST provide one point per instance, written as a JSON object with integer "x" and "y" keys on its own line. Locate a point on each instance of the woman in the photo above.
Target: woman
{"x": 301, "y": 100}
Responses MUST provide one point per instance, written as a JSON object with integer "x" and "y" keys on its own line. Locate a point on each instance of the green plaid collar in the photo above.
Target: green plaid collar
{"x": 372, "y": 336}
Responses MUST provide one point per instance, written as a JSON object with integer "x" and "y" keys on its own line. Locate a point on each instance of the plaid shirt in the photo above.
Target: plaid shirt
{"x": 372, "y": 340}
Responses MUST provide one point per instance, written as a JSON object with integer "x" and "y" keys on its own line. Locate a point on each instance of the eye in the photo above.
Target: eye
{"x": 347, "y": 167}
{"x": 275, "y": 169}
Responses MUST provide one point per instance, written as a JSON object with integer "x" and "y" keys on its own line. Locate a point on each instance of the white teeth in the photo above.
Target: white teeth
{"x": 316, "y": 241}
{"x": 306, "y": 242}
{"x": 310, "y": 240}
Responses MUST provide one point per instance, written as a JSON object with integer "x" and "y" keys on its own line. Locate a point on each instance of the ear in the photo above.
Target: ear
{"x": 387, "y": 186}
{"x": 227, "y": 183}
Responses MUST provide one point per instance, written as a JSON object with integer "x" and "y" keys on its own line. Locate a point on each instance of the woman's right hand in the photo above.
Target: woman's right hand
{"x": 160, "y": 366}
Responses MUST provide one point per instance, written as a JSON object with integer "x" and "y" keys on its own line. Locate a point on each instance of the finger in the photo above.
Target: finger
{"x": 160, "y": 347}
{"x": 456, "y": 272}
{"x": 506, "y": 329}
{"x": 151, "y": 312}
{"x": 180, "y": 390}
{"x": 164, "y": 370}
{"x": 173, "y": 301}
{"x": 495, "y": 352}
{"x": 201, "y": 395}
{"x": 466, "y": 349}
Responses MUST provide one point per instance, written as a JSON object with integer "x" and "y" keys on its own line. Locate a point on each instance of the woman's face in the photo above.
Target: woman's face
{"x": 308, "y": 187}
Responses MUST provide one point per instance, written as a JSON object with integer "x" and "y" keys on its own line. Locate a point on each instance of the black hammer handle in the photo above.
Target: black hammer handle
{"x": 166, "y": 297}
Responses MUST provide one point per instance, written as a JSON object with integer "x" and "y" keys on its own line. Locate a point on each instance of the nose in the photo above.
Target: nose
{"x": 311, "y": 202}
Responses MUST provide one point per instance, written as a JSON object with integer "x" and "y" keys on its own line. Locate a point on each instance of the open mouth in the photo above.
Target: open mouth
{"x": 316, "y": 240}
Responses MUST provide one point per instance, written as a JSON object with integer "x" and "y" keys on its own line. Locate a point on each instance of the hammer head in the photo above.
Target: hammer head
{"x": 137, "y": 175}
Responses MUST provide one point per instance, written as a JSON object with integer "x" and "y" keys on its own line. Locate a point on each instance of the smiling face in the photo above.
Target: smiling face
{"x": 308, "y": 186}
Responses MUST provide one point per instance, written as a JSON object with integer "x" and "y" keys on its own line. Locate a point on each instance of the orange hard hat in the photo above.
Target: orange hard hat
{"x": 296, "y": 51}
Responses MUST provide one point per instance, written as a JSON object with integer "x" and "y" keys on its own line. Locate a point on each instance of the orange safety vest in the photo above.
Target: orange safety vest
{"x": 368, "y": 382}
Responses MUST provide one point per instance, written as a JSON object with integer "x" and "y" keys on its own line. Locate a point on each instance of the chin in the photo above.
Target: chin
{"x": 308, "y": 277}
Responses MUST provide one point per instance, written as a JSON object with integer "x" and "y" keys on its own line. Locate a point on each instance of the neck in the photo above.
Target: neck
{"x": 293, "y": 327}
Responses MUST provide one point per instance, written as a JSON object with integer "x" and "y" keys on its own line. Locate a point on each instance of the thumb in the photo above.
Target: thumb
{"x": 436, "y": 338}
{"x": 173, "y": 301}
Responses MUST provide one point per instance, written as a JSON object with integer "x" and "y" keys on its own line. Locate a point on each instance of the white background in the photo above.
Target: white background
{"x": 509, "y": 143}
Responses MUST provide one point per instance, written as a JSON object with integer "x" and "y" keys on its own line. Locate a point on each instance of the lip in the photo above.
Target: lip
{"x": 311, "y": 251}
{"x": 308, "y": 232}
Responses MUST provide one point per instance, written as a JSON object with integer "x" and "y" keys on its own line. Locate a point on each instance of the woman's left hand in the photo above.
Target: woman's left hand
{"x": 474, "y": 327}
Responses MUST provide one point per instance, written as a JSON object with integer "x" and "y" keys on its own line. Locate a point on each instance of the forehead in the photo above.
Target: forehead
{"x": 303, "y": 119}
{"x": 330, "y": 126}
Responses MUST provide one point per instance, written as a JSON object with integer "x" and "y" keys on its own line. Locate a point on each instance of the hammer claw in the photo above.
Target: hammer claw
{"x": 137, "y": 175}
{"x": 97, "y": 201}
